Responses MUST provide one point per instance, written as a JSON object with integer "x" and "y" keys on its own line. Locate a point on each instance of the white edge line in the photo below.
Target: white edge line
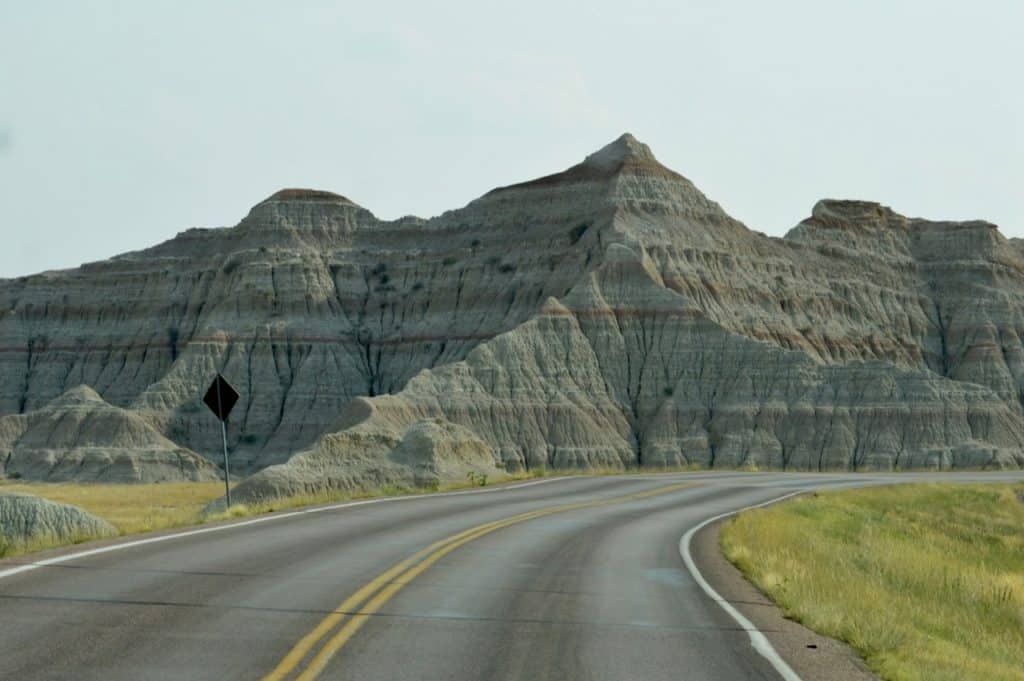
{"x": 757, "y": 639}
{"x": 27, "y": 567}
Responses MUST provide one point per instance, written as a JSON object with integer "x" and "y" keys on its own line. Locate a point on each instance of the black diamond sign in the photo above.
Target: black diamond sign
{"x": 220, "y": 398}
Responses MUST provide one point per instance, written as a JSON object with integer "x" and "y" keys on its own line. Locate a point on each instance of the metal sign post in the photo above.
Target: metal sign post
{"x": 220, "y": 397}
{"x": 224, "y": 437}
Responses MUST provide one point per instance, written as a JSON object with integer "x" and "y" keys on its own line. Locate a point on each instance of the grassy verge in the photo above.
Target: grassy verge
{"x": 329, "y": 496}
{"x": 137, "y": 508}
{"x": 130, "y": 508}
{"x": 924, "y": 581}
{"x": 335, "y": 496}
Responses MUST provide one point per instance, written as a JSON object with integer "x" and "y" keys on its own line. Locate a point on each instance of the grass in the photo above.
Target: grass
{"x": 328, "y": 496}
{"x": 130, "y": 508}
{"x": 138, "y": 508}
{"x": 40, "y": 542}
{"x": 926, "y": 582}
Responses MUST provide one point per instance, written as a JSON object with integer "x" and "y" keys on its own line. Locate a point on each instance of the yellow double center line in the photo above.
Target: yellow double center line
{"x": 384, "y": 586}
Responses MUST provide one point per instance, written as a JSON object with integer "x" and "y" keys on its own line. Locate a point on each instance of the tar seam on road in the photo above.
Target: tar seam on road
{"x": 9, "y": 572}
{"x": 757, "y": 639}
{"x": 378, "y": 591}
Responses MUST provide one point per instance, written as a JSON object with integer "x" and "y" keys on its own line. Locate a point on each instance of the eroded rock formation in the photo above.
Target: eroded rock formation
{"x": 25, "y": 518}
{"x": 608, "y": 315}
{"x": 80, "y": 437}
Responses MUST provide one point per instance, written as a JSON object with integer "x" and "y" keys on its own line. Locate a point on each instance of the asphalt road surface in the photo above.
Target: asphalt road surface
{"x": 578, "y": 578}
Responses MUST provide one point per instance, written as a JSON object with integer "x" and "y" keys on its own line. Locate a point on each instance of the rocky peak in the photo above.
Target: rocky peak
{"x": 314, "y": 195}
{"x": 79, "y": 395}
{"x": 302, "y": 217}
{"x": 867, "y": 227}
{"x": 625, "y": 149}
{"x": 624, "y": 156}
{"x": 839, "y": 213}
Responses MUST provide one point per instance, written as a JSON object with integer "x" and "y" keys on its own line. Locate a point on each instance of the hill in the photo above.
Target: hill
{"x": 607, "y": 315}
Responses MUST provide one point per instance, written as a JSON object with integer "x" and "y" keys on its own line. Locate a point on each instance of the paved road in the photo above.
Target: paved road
{"x": 565, "y": 579}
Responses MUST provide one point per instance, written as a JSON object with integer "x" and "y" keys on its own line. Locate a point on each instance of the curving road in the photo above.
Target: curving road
{"x": 575, "y": 578}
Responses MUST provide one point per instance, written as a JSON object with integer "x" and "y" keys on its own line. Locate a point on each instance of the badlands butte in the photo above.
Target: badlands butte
{"x": 609, "y": 315}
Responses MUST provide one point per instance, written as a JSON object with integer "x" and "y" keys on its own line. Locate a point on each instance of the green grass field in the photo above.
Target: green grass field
{"x": 926, "y": 582}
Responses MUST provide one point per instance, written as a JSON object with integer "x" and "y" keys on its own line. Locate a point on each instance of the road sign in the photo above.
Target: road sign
{"x": 220, "y": 398}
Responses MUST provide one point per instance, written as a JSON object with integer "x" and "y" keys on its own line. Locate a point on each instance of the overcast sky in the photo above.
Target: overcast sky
{"x": 122, "y": 123}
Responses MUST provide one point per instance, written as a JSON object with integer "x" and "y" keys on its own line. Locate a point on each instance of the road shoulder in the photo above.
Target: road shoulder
{"x": 811, "y": 655}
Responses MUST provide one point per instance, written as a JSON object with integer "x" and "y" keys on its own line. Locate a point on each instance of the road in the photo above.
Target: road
{"x": 578, "y": 578}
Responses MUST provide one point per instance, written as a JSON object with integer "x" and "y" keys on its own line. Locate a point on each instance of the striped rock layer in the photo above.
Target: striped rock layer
{"x": 608, "y": 315}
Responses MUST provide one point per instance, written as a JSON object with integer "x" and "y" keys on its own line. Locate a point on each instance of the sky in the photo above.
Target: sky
{"x": 124, "y": 123}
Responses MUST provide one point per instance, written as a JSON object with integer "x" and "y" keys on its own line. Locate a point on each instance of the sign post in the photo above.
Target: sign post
{"x": 220, "y": 397}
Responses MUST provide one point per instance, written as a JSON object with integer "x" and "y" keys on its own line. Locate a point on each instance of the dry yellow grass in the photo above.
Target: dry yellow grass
{"x": 131, "y": 508}
{"x": 136, "y": 508}
{"x": 925, "y": 581}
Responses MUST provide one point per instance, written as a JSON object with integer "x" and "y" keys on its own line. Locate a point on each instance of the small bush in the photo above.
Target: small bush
{"x": 506, "y": 268}
{"x": 449, "y": 261}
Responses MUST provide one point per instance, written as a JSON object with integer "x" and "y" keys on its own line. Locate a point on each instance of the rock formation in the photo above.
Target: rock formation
{"x": 25, "y": 518}
{"x": 607, "y": 315}
{"x": 80, "y": 437}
